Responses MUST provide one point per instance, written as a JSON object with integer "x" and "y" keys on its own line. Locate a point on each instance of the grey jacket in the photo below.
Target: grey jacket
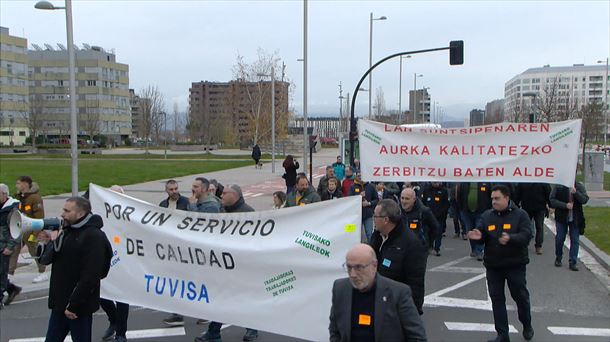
{"x": 396, "y": 318}
{"x": 208, "y": 205}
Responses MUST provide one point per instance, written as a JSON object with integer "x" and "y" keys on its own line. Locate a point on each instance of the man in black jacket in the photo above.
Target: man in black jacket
{"x": 174, "y": 200}
{"x": 569, "y": 217}
{"x": 419, "y": 218}
{"x": 436, "y": 197}
{"x": 80, "y": 255}
{"x": 400, "y": 254}
{"x": 505, "y": 232}
{"x": 534, "y": 200}
{"x": 232, "y": 202}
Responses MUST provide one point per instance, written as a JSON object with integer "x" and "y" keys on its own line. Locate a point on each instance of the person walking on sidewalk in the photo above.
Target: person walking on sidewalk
{"x": 232, "y": 202}
{"x": 256, "y": 155}
{"x": 505, "y": 232}
{"x": 535, "y": 200}
{"x": 80, "y": 254}
{"x": 8, "y": 245}
{"x": 28, "y": 193}
{"x": 569, "y": 216}
{"x": 290, "y": 173}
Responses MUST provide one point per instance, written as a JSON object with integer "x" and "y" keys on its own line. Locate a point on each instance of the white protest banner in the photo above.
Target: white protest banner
{"x": 269, "y": 270}
{"x": 507, "y": 152}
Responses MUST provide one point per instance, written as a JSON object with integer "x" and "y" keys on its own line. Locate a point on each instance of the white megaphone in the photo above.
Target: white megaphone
{"x": 21, "y": 224}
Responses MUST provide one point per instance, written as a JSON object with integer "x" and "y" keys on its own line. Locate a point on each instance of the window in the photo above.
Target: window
{"x": 22, "y": 133}
{"x": 60, "y": 83}
{"x": 91, "y": 83}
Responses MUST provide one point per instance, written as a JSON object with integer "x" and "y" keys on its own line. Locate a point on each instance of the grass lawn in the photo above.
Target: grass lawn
{"x": 53, "y": 175}
{"x": 132, "y": 156}
{"x": 598, "y": 227}
{"x": 606, "y": 180}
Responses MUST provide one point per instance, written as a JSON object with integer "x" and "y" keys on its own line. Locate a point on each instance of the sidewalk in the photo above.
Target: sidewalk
{"x": 257, "y": 185}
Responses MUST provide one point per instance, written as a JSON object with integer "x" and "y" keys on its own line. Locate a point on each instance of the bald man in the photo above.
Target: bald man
{"x": 419, "y": 218}
{"x": 367, "y": 306}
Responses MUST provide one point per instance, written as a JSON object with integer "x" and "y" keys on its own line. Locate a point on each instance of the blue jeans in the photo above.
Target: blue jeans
{"x": 471, "y": 221}
{"x": 367, "y": 224}
{"x": 60, "y": 325}
{"x": 437, "y": 242}
{"x": 562, "y": 230}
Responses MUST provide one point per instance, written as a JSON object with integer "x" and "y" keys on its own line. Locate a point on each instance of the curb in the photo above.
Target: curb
{"x": 599, "y": 255}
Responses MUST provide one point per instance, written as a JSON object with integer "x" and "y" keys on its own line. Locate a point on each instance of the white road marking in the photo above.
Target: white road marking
{"x": 256, "y": 195}
{"x": 579, "y": 331}
{"x": 28, "y": 300}
{"x": 447, "y": 267}
{"x": 146, "y": 333}
{"x": 462, "y": 326}
{"x": 317, "y": 176}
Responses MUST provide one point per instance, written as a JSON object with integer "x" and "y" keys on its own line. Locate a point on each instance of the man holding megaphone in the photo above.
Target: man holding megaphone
{"x": 80, "y": 253}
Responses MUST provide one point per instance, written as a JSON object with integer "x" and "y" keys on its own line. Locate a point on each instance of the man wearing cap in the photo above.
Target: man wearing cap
{"x": 232, "y": 202}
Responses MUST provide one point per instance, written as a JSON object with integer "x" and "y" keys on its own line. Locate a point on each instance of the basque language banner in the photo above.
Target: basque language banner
{"x": 508, "y": 152}
{"x": 269, "y": 270}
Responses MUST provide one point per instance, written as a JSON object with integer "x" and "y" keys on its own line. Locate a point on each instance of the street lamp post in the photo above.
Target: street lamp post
{"x": 272, "y": 116}
{"x": 415, "y": 76}
{"x": 371, "y": 58}
{"x": 606, "y": 109}
{"x": 305, "y": 134}
{"x": 45, "y": 5}
{"x": 400, "y": 90}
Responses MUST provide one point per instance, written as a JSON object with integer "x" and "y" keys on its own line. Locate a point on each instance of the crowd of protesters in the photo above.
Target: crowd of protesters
{"x": 402, "y": 222}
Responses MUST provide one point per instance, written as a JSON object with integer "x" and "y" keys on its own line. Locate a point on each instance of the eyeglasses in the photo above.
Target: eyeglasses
{"x": 357, "y": 268}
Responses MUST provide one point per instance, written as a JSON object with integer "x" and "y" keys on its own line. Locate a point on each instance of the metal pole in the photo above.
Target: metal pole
{"x": 370, "y": 63}
{"x": 73, "y": 117}
{"x": 273, "y": 119}
{"x": 415, "y": 98}
{"x": 165, "y": 136}
{"x": 305, "y": 135}
{"x": 400, "y": 92}
{"x": 606, "y": 104}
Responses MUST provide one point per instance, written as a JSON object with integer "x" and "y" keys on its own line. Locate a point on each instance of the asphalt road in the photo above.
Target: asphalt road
{"x": 566, "y": 305}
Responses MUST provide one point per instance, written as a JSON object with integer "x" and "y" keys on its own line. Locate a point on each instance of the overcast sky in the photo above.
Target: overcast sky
{"x": 174, "y": 43}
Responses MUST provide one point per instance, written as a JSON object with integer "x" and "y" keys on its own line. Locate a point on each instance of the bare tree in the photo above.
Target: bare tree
{"x": 34, "y": 118}
{"x": 250, "y": 79}
{"x": 152, "y": 106}
{"x": 90, "y": 123}
{"x": 592, "y": 115}
{"x": 379, "y": 103}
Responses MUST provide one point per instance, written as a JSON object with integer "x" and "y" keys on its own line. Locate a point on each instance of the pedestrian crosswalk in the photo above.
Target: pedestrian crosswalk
{"x": 564, "y": 331}
{"x": 133, "y": 334}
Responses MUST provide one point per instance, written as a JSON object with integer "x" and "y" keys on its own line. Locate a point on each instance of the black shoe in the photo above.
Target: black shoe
{"x": 11, "y": 295}
{"x": 464, "y": 236}
{"x": 557, "y": 262}
{"x": 120, "y": 339}
{"x": 438, "y": 253}
{"x": 174, "y": 320}
{"x": 528, "y": 333}
{"x": 480, "y": 257}
{"x": 573, "y": 267}
{"x": 250, "y": 335}
{"x": 207, "y": 337}
{"x": 109, "y": 334}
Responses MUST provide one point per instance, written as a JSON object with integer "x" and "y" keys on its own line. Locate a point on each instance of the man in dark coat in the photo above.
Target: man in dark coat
{"x": 505, "y": 231}
{"x": 472, "y": 200}
{"x": 569, "y": 216}
{"x": 256, "y": 155}
{"x": 174, "y": 200}
{"x": 436, "y": 197}
{"x": 80, "y": 255}
{"x": 367, "y": 306}
{"x": 401, "y": 255}
{"x": 534, "y": 199}
{"x": 419, "y": 218}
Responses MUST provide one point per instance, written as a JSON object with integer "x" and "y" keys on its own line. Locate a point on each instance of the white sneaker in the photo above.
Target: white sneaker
{"x": 40, "y": 278}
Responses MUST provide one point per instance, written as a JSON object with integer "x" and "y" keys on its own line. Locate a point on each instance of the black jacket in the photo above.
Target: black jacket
{"x": 370, "y": 194}
{"x": 290, "y": 175}
{"x": 533, "y": 197}
{"x": 422, "y": 222}
{"x": 327, "y": 195}
{"x": 182, "y": 204}
{"x": 401, "y": 258}
{"x": 560, "y": 196}
{"x": 483, "y": 196}
{"x": 6, "y": 240}
{"x": 238, "y": 207}
{"x": 437, "y": 200}
{"x": 516, "y": 223}
{"x": 82, "y": 260}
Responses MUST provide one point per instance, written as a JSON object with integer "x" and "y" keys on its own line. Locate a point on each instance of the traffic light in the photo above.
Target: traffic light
{"x": 456, "y": 52}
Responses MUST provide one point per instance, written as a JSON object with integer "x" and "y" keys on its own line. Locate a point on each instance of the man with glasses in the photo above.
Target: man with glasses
{"x": 401, "y": 255}
{"x": 367, "y": 306}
